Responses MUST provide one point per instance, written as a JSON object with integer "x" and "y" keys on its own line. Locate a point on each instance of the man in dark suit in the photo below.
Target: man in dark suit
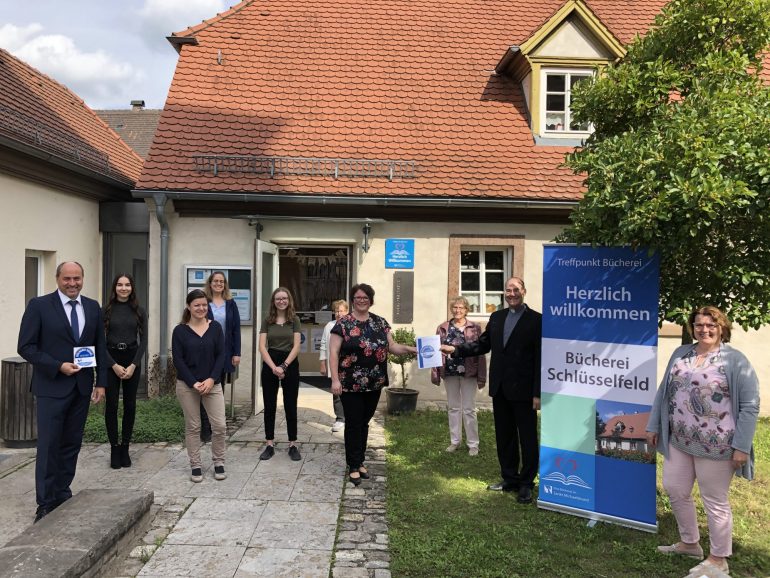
{"x": 513, "y": 335}
{"x": 52, "y": 328}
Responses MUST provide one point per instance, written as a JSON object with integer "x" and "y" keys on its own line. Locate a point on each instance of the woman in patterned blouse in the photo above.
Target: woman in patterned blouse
{"x": 358, "y": 358}
{"x": 703, "y": 422}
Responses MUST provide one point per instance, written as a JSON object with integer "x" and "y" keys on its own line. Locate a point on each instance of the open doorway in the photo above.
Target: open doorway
{"x": 315, "y": 275}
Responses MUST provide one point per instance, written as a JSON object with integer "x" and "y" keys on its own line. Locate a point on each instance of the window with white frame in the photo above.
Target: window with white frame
{"x": 482, "y": 278}
{"x": 556, "y": 97}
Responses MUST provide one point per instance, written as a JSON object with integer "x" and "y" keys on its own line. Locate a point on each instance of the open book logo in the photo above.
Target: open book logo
{"x": 571, "y": 480}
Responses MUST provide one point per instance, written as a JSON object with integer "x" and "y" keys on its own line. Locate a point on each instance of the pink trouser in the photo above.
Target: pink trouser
{"x": 680, "y": 471}
{"x": 214, "y": 402}
{"x": 461, "y": 407}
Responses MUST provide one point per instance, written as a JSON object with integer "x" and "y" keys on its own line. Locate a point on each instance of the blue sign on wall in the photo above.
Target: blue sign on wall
{"x": 399, "y": 253}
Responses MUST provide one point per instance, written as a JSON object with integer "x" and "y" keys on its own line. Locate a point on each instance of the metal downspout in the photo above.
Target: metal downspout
{"x": 160, "y": 214}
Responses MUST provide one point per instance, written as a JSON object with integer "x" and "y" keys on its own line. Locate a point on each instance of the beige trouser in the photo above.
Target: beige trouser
{"x": 214, "y": 403}
{"x": 461, "y": 407}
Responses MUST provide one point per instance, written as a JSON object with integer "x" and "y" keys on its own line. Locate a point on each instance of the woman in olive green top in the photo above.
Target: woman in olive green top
{"x": 279, "y": 340}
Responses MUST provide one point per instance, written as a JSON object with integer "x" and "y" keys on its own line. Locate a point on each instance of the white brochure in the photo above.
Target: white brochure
{"x": 429, "y": 351}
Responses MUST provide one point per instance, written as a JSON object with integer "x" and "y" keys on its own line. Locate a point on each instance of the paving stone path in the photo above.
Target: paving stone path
{"x": 275, "y": 518}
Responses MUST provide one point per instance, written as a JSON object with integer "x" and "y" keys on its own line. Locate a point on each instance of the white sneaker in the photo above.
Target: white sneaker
{"x": 451, "y": 448}
{"x": 338, "y": 426}
{"x": 473, "y": 451}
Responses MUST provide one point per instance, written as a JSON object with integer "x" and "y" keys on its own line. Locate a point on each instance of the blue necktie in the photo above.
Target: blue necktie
{"x": 74, "y": 320}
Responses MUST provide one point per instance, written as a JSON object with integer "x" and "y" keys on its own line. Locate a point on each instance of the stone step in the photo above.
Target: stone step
{"x": 80, "y": 536}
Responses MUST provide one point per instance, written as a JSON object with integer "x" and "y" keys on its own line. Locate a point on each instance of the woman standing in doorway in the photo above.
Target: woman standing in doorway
{"x": 198, "y": 349}
{"x": 339, "y": 308}
{"x": 279, "y": 341}
{"x": 125, "y": 324}
{"x": 223, "y": 310}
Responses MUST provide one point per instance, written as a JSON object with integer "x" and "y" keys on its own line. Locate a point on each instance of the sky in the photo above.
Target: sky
{"x": 108, "y": 52}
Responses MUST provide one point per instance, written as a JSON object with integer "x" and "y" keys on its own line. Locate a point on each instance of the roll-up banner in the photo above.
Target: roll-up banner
{"x": 600, "y": 338}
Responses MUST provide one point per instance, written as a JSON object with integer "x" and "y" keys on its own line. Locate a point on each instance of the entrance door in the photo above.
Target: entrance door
{"x": 265, "y": 281}
{"x": 127, "y": 253}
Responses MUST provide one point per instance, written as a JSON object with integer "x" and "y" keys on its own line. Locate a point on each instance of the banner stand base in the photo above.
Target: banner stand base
{"x": 594, "y": 517}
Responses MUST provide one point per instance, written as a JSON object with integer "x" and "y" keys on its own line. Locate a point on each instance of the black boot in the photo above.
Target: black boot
{"x": 115, "y": 457}
{"x": 125, "y": 459}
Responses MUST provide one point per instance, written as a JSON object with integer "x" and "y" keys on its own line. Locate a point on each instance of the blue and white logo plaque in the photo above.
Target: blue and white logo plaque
{"x": 84, "y": 356}
{"x": 399, "y": 253}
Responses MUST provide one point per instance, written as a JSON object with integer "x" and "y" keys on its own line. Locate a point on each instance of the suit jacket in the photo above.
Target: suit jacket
{"x": 514, "y": 367}
{"x": 46, "y": 341}
{"x": 232, "y": 333}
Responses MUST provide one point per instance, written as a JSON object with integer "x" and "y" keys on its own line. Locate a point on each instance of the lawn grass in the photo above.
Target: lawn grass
{"x": 443, "y": 521}
{"x": 157, "y": 420}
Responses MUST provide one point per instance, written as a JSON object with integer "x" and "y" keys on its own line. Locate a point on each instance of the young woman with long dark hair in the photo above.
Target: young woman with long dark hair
{"x": 125, "y": 324}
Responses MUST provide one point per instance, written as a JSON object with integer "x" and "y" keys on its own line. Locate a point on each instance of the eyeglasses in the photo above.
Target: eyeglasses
{"x": 281, "y": 299}
{"x": 359, "y": 298}
{"x": 705, "y": 326}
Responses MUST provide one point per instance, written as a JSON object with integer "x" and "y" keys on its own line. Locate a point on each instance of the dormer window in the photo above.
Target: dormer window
{"x": 573, "y": 45}
{"x": 556, "y": 100}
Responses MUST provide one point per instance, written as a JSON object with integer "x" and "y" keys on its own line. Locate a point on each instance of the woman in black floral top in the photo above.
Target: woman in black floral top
{"x": 358, "y": 353}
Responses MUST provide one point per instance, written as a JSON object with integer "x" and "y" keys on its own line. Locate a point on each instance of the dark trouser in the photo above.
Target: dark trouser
{"x": 359, "y": 409}
{"x": 516, "y": 424}
{"x": 124, "y": 357}
{"x": 59, "y": 436}
{"x": 290, "y": 386}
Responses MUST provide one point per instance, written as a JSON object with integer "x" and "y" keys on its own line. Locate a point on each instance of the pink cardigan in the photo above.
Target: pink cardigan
{"x": 474, "y": 366}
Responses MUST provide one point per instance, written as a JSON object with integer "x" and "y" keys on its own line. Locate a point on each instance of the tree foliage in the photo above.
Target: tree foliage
{"x": 406, "y": 336}
{"x": 679, "y": 161}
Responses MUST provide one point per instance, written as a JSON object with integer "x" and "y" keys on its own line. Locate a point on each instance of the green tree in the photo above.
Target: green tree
{"x": 406, "y": 336}
{"x": 601, "y": 425}
{"x": 680, "y": 158}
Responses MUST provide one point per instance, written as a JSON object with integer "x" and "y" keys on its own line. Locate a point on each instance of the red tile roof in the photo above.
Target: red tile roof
{"x": 352, "y": 79}
{"x": 635, "y": 426}
{"x": 37, "y": 111}
{"x": 136, "y": 126}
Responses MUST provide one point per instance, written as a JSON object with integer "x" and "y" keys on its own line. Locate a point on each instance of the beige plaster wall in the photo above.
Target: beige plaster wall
{"x": 38, "y": 218}
{"x": 230, "y": 241}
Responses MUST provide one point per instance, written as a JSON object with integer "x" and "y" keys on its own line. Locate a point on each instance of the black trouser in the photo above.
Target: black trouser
{"x": 515, "y": 424}
{"x": 61, "y": 422}
{"x": 359, "y": 409}
{"x": 290, "y": 386}
{"x": 124, "y": 357}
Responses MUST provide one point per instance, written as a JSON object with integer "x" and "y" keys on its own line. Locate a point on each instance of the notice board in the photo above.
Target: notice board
{"x": 238, "y": 278}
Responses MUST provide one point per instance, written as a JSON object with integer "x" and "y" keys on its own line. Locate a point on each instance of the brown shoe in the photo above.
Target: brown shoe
{"x": 691, "y": 551}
